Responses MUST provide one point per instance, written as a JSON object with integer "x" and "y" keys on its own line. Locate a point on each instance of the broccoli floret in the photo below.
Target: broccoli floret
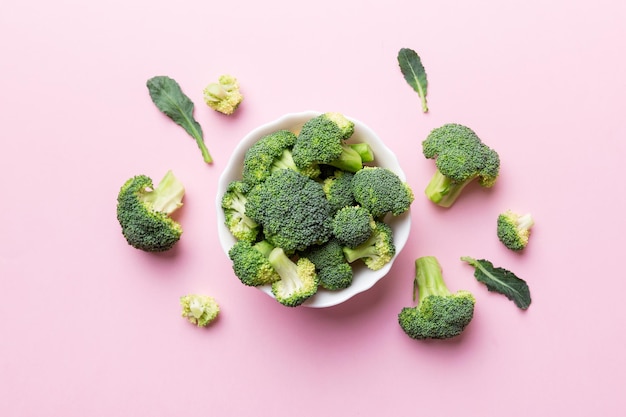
{"x": 439, "y": 314}
{"x": 333, "y": 271}
{"x": 144, "y": 212}
{"x": 223, "y": 96}
{"x": 271, "y": 153}
{"x": 338, "y": 189}
{"x": 353, "y": 225}
{"x": 322, "y": 141}
{"x": 200, "y": 310}
{"x": 234, "y": 201}
{"x": 514, "y": 229}
{"x": 381, "y": 191}
{"x": 292, "y": 209}
{"x": 460, "y": 157}
{"x": 376, "y": 251}
{"x": 250, "y": 263}
{"x": 298, "y": 280}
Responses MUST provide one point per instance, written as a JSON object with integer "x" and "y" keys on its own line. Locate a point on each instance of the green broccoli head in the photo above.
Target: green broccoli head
{"x": 322, "y": 141}
{"x": 143, "y": 212}
{"x": 234, "y": 201}
{"x": 298, "y": 280}
{"x": 271, "y": 153}
{"x": 353, "y": 225}
{"x": 338, "y": 189}
{"x": 333, "y": 271}
{"x": 460, "y": 157}
{"x": 292, "y": 210}
{"x": 200, "y": 310}
{"x": 223, "y": 96}
{"x": 439, "y": 313}
{"x": 375, "y": 252}
{"x": 513, "y": 229}
{"x": 381, "y": 191}
{"x": 250, "y": 263}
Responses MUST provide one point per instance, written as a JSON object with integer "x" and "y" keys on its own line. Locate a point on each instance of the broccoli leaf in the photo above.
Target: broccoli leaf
{"x": 414, "y": 73}
{"x": 501, "y": 281}
{"x": 170, "y": 99}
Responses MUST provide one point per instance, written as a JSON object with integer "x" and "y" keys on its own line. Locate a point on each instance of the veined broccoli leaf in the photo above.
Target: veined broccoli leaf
{"x": 414, "y": 73}
{"x": 501, "y": 281}
{"x": 170, "y": 99}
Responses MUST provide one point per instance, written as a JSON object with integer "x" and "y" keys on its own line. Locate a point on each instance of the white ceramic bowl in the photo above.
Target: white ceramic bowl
{"x": 364, "y": 278}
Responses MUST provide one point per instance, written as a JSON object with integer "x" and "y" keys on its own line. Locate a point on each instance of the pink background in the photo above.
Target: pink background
{"x": 91, "y": 327}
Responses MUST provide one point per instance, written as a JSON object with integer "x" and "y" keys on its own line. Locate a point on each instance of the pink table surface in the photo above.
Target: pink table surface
{"x": 92, "y": 327}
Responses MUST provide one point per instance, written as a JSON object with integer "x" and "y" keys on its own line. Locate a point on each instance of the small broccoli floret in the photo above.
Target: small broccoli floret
{"x": 200, "y": 310}
{"x": 234, "y": 201}
{"x": 376, "y": 251}
{"x": 223, "y": 96}
{"x": 250, "y": 263}
{"x": 322, "y": 141}
{"x": 514, "y": 229}
{"x": 381, "y": 191}
{"x": 353, "y": 225}
{"x": 333, "y": 271}
{"x": 338, "y": 189}
{"x": 460, "y": 157}
{"x": 144, "y": 212}
{"x": 298, "y": 279}
{"x": 292, "y": 210}
{"x": 271, "y": 153}
{"x": 439, "y": 314}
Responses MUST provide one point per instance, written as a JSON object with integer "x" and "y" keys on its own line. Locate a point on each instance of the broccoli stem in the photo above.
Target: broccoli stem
{"x": 285, "y": 267}
{"x": 350, "y": 160}
{"x": 285, "y": 161}
{"x": 364, "y": 250}
{"x": 525, "y": 222}
{"x": 428, "y": 278}
{"x": 264, "y": 247}
{"x": 443, "y": 190}
{"x": 364, "y": 150}
{"x": 167, "y": 196}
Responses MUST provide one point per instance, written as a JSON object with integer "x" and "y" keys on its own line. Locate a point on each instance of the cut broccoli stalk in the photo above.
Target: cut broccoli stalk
{"x": 298, "y": 280}
{"x": 349, "y": 160}
{"x": 444, "y": 191}
{"x": 167, "y": 196}
{"x": 364, "y": 150}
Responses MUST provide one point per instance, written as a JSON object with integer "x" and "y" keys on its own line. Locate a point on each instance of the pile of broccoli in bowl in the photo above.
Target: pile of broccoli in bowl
{"x": 313, "y": 208}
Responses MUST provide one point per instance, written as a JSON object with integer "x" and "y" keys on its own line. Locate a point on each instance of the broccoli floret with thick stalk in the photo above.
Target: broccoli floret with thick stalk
{"x": 223, "y": 96}
{"x": 292, "y": 209}
{"x": 333, "y": 271}
{"x": 338, "y": 189}
{"x": 200, "y": 310}
{"x": 375, "y": 252}
{"x": 271, "y": 153}
{"x": 144, "y": 212}
{"x": 322, "y": 141}
{"x": 234, "y": 201}
{"x": 514, "y": 229}
{"x": 298, "y": 280}
{"x": 250, "y": 263}
{"x": 460, "y": 157}
{"x": 439, "y": 313}
{"x": 381, "y": 191}
{"x": 353, "y": 225}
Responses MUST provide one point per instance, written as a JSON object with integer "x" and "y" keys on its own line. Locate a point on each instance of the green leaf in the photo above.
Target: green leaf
{"x": 170, "y": 99}
{"x": 414, "y": 73}
{"x": 501, "y": 281}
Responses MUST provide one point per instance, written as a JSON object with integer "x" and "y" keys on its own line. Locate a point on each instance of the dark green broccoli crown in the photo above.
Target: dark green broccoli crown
{"x": 321, "y": 139}
{"x": 336, "y": 277}
{"x": 234, "y": 201}
{"x": 381, "y": 191}
{"x": 298, "y": 279}
{"x": 261, "y": 156}
{"x": 513, "y": 229}
{"x": 250, "y": 263}
{"x": 326, "y": 254}
{"x": 292, "y": 210}
{"x": 438, "y": 317}
{"x": 376, "y": 251}
{"x": 460, "y": 154}
{"x": 353, "y": 225}
{"x": 144, "y": 227}
{"x": 338, "y": 190}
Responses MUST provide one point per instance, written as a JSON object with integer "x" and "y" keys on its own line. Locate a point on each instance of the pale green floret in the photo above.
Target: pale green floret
{"x": 439, "y": 313}
{"x": 223, "y": 96}
{"x": 375, "y": 252}
{"x": 298, "y": 280}
{"x": 200, "y": 310}
{"x": 234, "y": 202}
{"x": 513, "y": 229}
{"x": 143, "y": 212}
